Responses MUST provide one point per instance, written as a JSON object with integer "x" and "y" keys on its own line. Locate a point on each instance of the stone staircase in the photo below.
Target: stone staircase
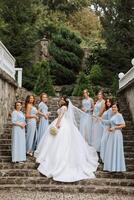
{"x": 25, "y": 176}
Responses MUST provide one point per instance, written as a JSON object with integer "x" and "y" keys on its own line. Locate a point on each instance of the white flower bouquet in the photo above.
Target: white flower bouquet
{"x": 53, "y": 130}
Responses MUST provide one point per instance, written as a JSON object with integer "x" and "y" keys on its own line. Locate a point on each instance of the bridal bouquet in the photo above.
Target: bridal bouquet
{"x": 53, "y": 130}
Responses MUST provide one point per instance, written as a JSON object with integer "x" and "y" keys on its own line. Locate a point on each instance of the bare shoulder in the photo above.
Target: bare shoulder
{"x": 64, "y": 108}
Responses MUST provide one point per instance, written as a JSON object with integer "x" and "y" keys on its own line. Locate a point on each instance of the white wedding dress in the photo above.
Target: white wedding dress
{"x": 66, "y": 156}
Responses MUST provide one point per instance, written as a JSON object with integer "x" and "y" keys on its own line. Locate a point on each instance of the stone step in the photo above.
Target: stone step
{"x": 68, "y": 188}
{"x": 29, "y": 164}
{"x": 128, "y": 137}
{"x": 8, "y": 141}
{"x": 45, "y": 180}
{"x": 128, "y": 122}
{"x": 10, "y": 165}
{"x": 35, "y": 173}
{"x": 128, "y": 142}
{"x": 5, "y": 159}
{"x": 7, "y": 152}
{"x": 128, "y": 131}
{"x": 129, "y": 160}
{"x": 5, "y": 146}
{"x": 129, "y": 148}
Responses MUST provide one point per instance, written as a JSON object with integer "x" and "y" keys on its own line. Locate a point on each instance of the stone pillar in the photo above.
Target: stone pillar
{"x": 19, "y": 76}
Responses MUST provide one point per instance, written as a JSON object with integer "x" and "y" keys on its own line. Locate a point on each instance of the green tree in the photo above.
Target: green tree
{"x": 117, "y": 19}
{"x": 20, "y": 24}
{"x": 66, "y": 6}
{"x": 96, "y": 74}
{"x": 82, "y": 82}
{"x": 44, "y": 80}
{"x": 66, "y": 54}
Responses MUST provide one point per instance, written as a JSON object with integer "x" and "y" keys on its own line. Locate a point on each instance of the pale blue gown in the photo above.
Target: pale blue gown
{"x": 43, "y": 124}
{"x": 106, "y": 115}
{"x": 114, "y": 160}
{"x": 31, "y": 136}
{"x": 18, "y": 138}
{"x": 97, "y": 127}
{"x": 86, "y": 120}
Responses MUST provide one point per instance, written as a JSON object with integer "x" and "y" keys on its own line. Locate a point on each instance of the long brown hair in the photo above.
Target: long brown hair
{"x": 111, "y": 101}
{"x": 65, "y": 100}
{"x": 28, "y": 99}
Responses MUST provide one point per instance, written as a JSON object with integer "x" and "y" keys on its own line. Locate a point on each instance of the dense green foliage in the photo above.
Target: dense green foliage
{"x": 117, "y": 19}
{"x": 83, "y": 82}
{"x": 44, "y": 80}
{"x": 65, "y": 5}
{"x": 21, "y": 19}
{"x": 66, "y": 54}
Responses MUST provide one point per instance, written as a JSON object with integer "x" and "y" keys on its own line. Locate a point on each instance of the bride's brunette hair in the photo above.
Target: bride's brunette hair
{"x": 64, "y": 101}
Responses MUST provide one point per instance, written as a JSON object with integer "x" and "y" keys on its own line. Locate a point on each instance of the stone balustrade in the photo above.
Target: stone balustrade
{"x": 127, "y": 78}
{"x": 126, "y": 89}
{"x": 7, "y": 61}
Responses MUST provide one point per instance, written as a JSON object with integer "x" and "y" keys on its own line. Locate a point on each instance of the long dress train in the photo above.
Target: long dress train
{"x": 66, "y": 157}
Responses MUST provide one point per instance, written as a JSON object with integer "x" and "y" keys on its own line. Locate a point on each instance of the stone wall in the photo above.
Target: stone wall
{"x": 8, "y": 89}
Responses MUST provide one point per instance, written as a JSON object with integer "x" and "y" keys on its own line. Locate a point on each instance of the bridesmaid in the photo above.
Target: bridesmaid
{"x": 114, "y": 160}
{"x": 44, "y": 115}
{"x": 18, "y": 134}
{"x": 86, "y": 117}
{"x": 106, "y": 115}
{"x": 97, "y": 128}
{"x": 31, "y": 119}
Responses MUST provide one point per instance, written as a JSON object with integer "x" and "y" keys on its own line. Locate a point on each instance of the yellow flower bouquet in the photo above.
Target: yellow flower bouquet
{"x": 53, "y": 130}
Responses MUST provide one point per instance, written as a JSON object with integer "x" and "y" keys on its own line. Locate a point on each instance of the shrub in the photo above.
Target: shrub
{"x": 96, "y": 74}
{"x": 44, "y": 80}
{"x": 82, "y": 82}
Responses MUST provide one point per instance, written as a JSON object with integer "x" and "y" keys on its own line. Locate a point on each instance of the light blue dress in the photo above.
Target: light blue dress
{"x": 86, "y": 120}
{"x": 18, "y": 138}
{"x": 106, "y": 115}
{"x": 31, "y": 137}
{"x": 114, "y": 160}
{"x": 97, "y": 127}
{"x": 43, "y": 124}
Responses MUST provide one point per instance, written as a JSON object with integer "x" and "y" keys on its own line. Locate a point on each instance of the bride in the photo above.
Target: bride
{"x": 65, "y": 156}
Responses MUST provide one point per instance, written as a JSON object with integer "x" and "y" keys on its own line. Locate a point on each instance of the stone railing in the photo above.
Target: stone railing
{"x": 7, "y": 64}
{"x": 7, "y": 61}
{"x": 127, "y": 78}
{"x": 126, "y": 89}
